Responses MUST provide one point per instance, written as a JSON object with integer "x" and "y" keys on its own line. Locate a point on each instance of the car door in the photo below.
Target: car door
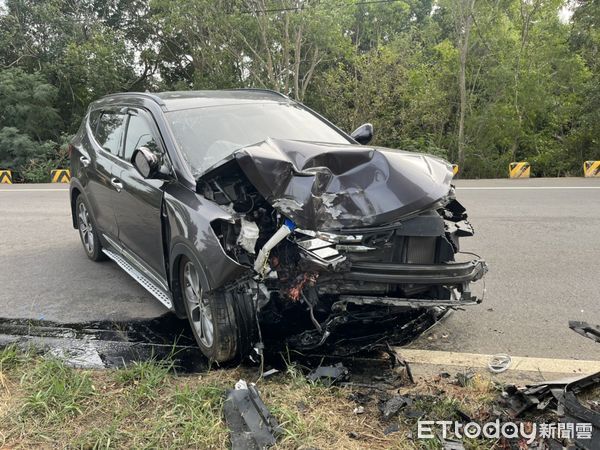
{"x": 107, "y": 127}
{"x": 138, "y": 205}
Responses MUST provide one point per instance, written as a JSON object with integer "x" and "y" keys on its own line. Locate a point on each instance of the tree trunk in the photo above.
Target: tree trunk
{"x": 463, "y": 27}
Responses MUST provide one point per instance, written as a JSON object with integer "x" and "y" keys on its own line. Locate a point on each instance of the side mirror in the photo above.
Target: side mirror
{"x": 145, "y": 162}
{"x": 363, "y": 134}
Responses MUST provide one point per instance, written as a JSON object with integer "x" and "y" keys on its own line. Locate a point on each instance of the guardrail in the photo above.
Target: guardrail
{"x": 60, "y": 176}
{"x": 591, "y": 169}
{"x": 519, "y": 169}
{"x": 6, "y": 177}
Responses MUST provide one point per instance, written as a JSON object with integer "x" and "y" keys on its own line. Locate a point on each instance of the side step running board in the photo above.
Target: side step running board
{"x": 161, "y": 295}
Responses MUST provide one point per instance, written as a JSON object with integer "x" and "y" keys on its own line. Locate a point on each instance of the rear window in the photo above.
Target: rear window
{"x": 109, "y": 132}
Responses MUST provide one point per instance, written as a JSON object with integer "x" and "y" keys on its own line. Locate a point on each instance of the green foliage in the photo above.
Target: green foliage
{"x": 15, "y": 148}
{"x": 27, "y": 104}
{"x": 532, "y": 79}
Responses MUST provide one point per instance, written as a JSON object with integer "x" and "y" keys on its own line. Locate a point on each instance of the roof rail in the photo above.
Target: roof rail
{"x": 148, "y": 95}
{"x": 268, "y": 91}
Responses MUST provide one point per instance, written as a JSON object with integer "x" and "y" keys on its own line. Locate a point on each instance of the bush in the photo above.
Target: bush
{"x": 31, "y": 160}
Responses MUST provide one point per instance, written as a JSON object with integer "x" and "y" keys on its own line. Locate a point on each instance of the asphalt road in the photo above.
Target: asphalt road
{"x": 539, "y": 236}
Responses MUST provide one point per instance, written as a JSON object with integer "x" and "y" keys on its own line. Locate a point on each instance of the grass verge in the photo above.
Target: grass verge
{"x": 45, "y": 404}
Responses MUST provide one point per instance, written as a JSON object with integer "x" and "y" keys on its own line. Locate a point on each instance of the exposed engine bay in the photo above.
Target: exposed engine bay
{"x": 353, "y": 269}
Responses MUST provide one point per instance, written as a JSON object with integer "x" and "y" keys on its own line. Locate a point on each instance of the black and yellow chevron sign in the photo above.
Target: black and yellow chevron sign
{"x": 519, "y": 170}
{"x": 60, "y": 175}
{"x": 454, "y": 169}
{"x": 5, "y": 177}
{"x": 591, "y": 169}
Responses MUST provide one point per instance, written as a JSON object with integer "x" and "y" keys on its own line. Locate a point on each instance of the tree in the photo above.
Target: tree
{"x": 27, "y": 104}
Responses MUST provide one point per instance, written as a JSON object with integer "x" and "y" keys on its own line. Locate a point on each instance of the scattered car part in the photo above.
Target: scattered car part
{"x": 499, "y": 363}
{"x": 250, "y": 423}
{"x": 585, "y": 329}
{"x": 269, "y": 373}
{"x": 329, "y": 375}
{"x": 392, "y": 407}
{"x": 572, "y": 411}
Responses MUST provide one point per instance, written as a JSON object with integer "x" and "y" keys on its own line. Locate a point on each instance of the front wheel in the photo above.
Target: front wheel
{"x": 211, "y": 316}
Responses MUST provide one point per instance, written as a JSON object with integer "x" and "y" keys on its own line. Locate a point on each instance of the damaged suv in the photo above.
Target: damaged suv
{"x": 244, "y": 211}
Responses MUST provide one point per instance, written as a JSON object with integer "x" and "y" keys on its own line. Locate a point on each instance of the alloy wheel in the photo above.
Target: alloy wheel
{"x": 86, "y": 229}
{"x": 198, "y": 305}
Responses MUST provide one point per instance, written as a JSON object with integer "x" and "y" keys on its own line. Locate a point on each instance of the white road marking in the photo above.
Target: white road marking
{"x": 35, "y": 190}
{"x": 520, "y": 363}
{"x": 516, "y": 188}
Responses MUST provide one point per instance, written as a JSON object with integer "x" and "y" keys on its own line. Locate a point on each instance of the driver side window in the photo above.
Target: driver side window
{"x": 139, "y": 134}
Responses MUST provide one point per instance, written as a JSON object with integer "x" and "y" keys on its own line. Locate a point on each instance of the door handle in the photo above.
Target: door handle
{"x": 85, "y": 161}
{"x": 117, "y": 184}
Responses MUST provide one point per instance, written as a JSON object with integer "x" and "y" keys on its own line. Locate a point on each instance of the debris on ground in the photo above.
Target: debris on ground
{"x": 392, "y": 428}
{"x": 463, "y": 378}
{"x": 574, "y": 410}
{"x": 392, "y": 407}
{"x": 400, "y": 365}
{"x": 499, "y": 363}
{"x": 564, "y": 398}
{"x": 250, "y": 423}
{"x": 359, "y": 410}
{"x": 585, "y": 329}
{"x": 329, "y": 375}
{"x": 269, "y": 373}
{"x": 452, "y": 444}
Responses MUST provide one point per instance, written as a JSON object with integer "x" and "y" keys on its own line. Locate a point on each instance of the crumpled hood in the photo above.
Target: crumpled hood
{"x": 332, "y": 186}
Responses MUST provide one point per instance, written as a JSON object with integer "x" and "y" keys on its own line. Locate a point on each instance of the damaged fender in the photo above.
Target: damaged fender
{"x": 188, "y": 218}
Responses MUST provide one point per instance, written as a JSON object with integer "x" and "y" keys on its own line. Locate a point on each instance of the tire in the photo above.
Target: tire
{"x": 88, "y": 232}
{"x": 211, "y": 316}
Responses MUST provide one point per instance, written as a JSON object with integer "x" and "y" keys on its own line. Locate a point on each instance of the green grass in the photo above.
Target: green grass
{"x": 55, "y": 392}
{"x": 44, "y": 403}
{"x": 145, "y": 378}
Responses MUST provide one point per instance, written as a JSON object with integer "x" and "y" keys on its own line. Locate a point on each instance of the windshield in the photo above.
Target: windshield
{"x": 208, "y": 135}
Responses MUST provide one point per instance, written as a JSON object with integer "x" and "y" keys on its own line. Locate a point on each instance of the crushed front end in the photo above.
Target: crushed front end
{"x": 327, "y": 257}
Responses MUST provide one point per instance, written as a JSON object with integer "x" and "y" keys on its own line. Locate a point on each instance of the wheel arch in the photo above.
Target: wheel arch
{"x": 75, "y": 192}
{"x": 76, "y": 189}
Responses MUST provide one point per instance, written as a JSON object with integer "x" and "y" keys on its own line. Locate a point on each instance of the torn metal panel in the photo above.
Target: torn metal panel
{"x": 250, "y": 423}
{"x": 331, "y": 186}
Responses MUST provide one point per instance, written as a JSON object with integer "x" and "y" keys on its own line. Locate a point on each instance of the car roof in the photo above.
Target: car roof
{"x": 179, "y": 100}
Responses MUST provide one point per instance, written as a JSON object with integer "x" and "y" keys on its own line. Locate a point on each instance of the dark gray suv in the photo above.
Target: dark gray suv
{"x": 244, "y": 211}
